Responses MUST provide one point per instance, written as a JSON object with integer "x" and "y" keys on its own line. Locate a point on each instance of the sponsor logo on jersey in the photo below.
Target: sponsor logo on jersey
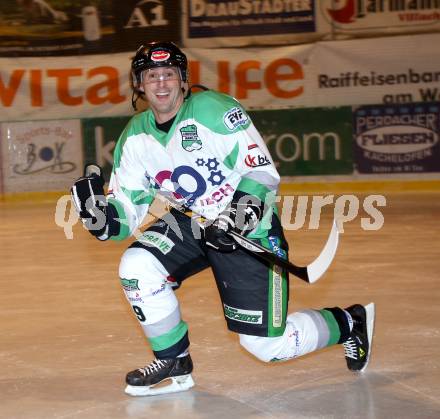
{"x": 130, "y": 284}
{"x": 217, "y": 195}
{"x": 244, "y": 316}
{"x": 179, "y": 184}
{"x": 161, "y": 242}
{"x": 159, "y": 56}
{"x": 190, "y": 139}
{"x": 255, "y": 157}
{"x": 234, "y": 118}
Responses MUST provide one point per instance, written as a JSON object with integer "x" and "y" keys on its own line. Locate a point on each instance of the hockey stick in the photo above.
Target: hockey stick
{"x": 310, "y": 273}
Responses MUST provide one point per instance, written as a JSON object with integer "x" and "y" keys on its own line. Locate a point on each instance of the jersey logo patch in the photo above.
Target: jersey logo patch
{"x": 190, "y": 139}
{"x": 234, "y": 118}
{"x": 255, "y": 158}
{"x": 155, "y": 239}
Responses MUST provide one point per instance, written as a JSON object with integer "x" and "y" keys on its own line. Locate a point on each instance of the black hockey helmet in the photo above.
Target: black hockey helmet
{"x": 158, "y": 54}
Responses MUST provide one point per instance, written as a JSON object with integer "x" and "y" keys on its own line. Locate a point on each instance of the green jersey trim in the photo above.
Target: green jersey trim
{"x": 231, "y": 159}
{"x": 139, "y": 197}
{"x": 251, "y": 187}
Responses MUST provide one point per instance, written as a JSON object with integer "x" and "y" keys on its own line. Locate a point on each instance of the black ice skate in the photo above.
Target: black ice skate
{"x": 358, "y": 346}
{"x": 146, "y": 381}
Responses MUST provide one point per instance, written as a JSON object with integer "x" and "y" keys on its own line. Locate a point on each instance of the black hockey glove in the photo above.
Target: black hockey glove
{"x": 90, "y": 202}
{"x": 242, "y": 216}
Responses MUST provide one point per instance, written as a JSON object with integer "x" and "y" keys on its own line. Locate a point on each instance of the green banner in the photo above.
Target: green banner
{"x": 100, "y": 136}
{"x": 312, "y": 141}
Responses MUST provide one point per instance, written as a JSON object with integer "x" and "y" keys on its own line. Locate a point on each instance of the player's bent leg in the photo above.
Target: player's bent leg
{"x": 309, "y": 330}
{"x": 143, "y": 278}
{"x": 306, "y": 331}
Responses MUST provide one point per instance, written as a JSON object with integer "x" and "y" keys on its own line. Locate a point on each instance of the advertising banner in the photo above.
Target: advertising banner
{"x": 100, "y": 137}
{"x": 308, "y": 141}
{"x": 213, "y": 23}
{"x": 388, "y": 70}
{"x": 402, "y": 69}
{"x": 397, "y": 139}
{"x": 98, "y": 85}
{"x": 74, "y": 87}
{"x": 137, "y": 22}
{"x": 375, "y": 17}
{"x": 41, "y": 155}
{"x": 59, "y": 27}
{"x": 301, "y": 141}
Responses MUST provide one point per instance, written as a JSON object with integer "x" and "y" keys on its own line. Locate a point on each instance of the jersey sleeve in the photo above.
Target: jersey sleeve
{"x": 245, "y": 150}
{"x": 130, "y": 191}
{"x": 259, "y": 176}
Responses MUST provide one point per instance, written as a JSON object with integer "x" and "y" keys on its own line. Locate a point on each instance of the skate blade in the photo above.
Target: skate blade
{"x": 181, "y": 383}
{"x": 370, "y": 310}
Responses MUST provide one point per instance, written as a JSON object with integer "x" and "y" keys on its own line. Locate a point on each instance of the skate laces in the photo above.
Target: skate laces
{"x": 350, "y": 348}
{"x": 154, "y": 366}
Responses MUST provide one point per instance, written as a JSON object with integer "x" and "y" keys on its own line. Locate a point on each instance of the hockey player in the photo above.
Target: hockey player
{"x": 203, "y": 151}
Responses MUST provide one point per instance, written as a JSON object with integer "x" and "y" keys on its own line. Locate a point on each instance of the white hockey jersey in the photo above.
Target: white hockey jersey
{"x": 211, "y": 150}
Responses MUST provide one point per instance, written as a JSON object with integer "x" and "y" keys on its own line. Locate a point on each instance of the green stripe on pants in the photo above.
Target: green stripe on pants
{"x": 277, "y": 299}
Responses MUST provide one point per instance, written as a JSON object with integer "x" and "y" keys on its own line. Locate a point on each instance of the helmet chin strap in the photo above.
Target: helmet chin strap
{"x": 134, "y": 98}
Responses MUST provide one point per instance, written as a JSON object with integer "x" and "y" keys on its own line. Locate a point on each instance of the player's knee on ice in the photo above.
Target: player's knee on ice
{"x": 305, "y": 332}
{"x": 266, "y": 349}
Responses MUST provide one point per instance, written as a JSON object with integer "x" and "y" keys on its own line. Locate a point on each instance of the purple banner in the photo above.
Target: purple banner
{"x": 397, "y": 138}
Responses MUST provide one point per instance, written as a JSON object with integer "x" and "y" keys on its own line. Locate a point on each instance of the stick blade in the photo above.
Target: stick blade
{"x": 320, "y": 265}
